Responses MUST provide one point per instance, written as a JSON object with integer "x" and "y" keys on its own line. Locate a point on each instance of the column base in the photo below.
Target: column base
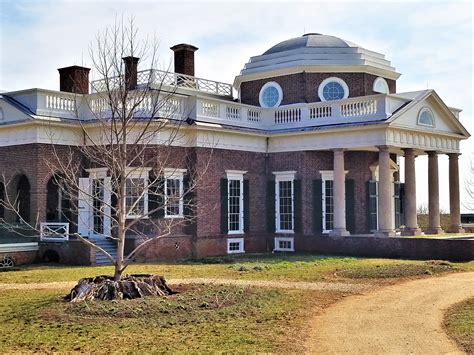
{"x": 412, "y": 231}
{"x": 434, "y": 230}
{"x": 339, "y": 232}
{"x": 456, "y": 229}
{"x": 385, "y": 233}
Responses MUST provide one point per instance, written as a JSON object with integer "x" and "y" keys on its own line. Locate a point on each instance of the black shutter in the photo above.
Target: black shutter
{"x": 372, "y": 205}
{"x": 156, "y": 197}
{"x": 350, "y": 208}
{"x": 297, "y": 213}
{"x": 246, "y": 206}
{"x": 318, "y": 206}
{"x": 188, "y": 198}
{"x": 224, "y": 206}
{"x": 271, "y": 206}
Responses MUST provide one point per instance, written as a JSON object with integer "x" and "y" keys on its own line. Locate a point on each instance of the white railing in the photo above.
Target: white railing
{"x": 60, "y": 102}
{"x": 357, "y": 109}
{"x": 54, "y": 231}
{"x": 158, "y": 78}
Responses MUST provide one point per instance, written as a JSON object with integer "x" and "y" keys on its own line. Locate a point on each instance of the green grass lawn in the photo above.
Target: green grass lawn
{"x": 459, "y": 322}
{"x": 199, "y": 319}
{"x": 292, "y": 267}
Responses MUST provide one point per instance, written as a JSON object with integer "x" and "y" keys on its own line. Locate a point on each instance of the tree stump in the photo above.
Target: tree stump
{"x": 129, "y": 287}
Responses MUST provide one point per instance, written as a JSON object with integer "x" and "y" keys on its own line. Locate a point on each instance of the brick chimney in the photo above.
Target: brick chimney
{"x": 184, "y": 58}
{"x": 131, "y": 68}
{"x": 74, "y": 79}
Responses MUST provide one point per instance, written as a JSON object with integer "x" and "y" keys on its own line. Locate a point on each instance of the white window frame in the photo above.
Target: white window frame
{"x": 279, "y": 177}
{"x": 284, "y": 239}
{"x": 384, "y": 83}
{"x": 327, "y": 175}
{"x": 139, "y": 173}
{"x": 423, "y": 109}
{"x": 235, "y": 240}
{"x": 239, "y": 176}
{"x": 174, "y": 174}
{"x": 327, "y": 81}
{"x": 276, "y": 86}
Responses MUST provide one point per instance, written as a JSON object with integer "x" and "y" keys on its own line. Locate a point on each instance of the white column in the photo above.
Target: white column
{"x": 434, "y": 219}
{"x": 385, "y": 202}
{"x": 454, "y": 200}
{"x": 339, "y": 195}
{"x": 411, "y": 219}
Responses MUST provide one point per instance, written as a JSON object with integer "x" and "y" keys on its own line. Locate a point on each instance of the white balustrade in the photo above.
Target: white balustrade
{"x": 58, "y": 102}
{"x": 359, "y": 108}
{"x": 254, "y": 115}
{"x": 209, "y": 109}
{"x": 54, "y": 231}
{"x": 232, "y": 113}
{"x": 287, "y": 115}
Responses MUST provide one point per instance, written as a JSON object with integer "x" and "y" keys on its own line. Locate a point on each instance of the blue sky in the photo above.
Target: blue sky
{"x": 430, "y": 43}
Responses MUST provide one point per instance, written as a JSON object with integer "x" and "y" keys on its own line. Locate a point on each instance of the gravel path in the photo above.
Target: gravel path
{"x": 405, "y": 318}
{"x": 326, "y": 286}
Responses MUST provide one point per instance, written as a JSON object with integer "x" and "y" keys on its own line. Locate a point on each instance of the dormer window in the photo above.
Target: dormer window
{"x": 333, "y": 89}
{"x": 271, "y": 95}
{"x": 426, "y": 118}
{"x": 380, "y": 86}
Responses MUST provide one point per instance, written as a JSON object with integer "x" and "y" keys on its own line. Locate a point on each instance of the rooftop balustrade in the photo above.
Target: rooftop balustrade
{"x": 205, "y": 108}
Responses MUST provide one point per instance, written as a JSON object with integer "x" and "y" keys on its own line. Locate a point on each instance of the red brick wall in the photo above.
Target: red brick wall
{"x": 203, "y": 237}
{"x": 303, "y": 87}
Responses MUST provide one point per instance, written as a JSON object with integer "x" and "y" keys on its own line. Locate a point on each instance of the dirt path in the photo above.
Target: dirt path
{"x": 404, "y": 318}
{"x": 326, "y": 286}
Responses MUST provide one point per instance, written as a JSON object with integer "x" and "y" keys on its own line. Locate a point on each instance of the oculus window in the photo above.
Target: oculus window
{"x": 333, "y": 89}
{"x": 271, "y": 95}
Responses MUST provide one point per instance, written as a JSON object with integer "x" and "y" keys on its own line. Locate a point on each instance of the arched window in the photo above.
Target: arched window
{"x": 426, "y": 117}
{"x": 380, "y": 86}
{"x": 333, "y": 89}
{"x": 23, "y": 199}
{"x": 271, "y": 95}
{"x": 58, "y": 207}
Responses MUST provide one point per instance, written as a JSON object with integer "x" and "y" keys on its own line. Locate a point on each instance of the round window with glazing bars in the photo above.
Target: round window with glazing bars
{"x": 271, "y": 95}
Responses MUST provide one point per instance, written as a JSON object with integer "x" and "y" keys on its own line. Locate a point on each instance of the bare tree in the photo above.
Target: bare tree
{"x": 468, "y": 201}
{"x": 128, "y": 140}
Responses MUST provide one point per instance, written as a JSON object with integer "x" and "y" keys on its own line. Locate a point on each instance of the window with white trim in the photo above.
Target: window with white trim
{"x": 284, "y": 201}
{"x": 235, "y": 201}
{"x": 333, "y": 89}
{"x": 174, "y": 192}
{"x": 380, "y": 86}
{"x": 136, "y": 193}
{"x": 270, "y": 95}
{"x": 426, "y": 117}
{"x": 235, "y": 245}
{"x": 284, "y": 244}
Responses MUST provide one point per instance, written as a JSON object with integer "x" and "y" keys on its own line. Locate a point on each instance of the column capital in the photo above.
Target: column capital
{"x": 409, "y": 151}
{"x": 454, "y": 156}
{"x": 432, "y": 153}
{"x": 383, "y": 148}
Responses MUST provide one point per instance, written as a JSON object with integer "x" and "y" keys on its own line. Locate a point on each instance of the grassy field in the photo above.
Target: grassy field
{"x": 254, "y": 267}
{"x": 459, "y": 323}
{"x": 200, "y": 318}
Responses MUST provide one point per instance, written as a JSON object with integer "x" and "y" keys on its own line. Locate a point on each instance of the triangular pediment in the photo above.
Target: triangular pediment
{"x": 444, "y": 119}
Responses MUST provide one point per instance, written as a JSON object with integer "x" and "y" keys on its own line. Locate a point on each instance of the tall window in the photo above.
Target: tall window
{"x": 174, "y": 192}
{"x": 284, "y": 201}
{"x": 235, "y": 201}
{"x": 136, "y": 193}
{"x": 135, "y": 197}
{"x": 328, "y": 205}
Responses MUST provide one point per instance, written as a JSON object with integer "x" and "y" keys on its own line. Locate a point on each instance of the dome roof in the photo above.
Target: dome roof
{"x": 315, "y": 52}
{"x": 310, "y": 40}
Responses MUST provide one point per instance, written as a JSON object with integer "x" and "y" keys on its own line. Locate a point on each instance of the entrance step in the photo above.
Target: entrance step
{"x": 110, "y": 246}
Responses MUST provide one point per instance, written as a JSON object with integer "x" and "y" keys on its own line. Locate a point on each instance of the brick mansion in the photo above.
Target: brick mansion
{"x": 306, "y": 144}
